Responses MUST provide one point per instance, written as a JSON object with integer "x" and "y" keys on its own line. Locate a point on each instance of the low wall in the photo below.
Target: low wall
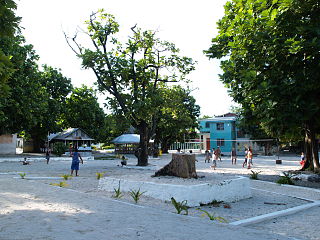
{"x": 204, "y": 193}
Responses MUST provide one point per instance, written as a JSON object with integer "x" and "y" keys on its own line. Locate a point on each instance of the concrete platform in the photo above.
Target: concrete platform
{"x": 196, "y": 194}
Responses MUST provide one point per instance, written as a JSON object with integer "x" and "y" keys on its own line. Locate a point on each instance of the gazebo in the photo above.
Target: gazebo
{"x": 126, "y": 143}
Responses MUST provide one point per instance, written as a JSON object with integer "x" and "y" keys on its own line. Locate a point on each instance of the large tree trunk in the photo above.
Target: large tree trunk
{"x": 142, "y": 151}
{"x": 311, "y": 148}
{"x": 181, "y": 165}
{"x": 165, "y": 146}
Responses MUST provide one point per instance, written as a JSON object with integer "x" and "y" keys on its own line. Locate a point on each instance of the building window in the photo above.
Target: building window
{"x": 220, "y": 142}
{"x": 207, "y": 124}
{"x": 220, "y": 126}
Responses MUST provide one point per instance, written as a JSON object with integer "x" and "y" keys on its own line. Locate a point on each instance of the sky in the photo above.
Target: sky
{"x": 189, "y": 24}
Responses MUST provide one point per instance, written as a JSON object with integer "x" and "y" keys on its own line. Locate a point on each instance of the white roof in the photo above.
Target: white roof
{"x": 127, "y": 138}
{"x": 217, "y": 119}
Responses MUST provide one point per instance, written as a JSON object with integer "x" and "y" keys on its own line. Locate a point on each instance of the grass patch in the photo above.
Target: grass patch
{"x": 286, "y": 179}
{"x": 254, "y": 175}
{"x": 60, "y": 184}
{"x": 212, "y": 217}
{"x": 22, "y": 175}
{"x": 107, "y": 157}
{"x": 136, "y": 194}
{"x": 180, "y": 206}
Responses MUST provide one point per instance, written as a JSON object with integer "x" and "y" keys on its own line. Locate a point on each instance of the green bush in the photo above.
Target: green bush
{"x": 59, "y": 148}
{"x": 286, "y": 179}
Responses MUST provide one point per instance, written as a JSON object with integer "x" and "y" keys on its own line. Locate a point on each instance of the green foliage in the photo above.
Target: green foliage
{"x": 117, "y": 192}
{"x": 59, "y": 148}
{"x": 83, "y": 111}
{"x": 286, "y": 179}
{"x": 66, "y": 176}
{"x": 177, "y": 116}
{"x": 22, "y": 175}
{"x": 135, "y": 194}
{"x": 132, "y": 73}
{"x": 212, "y": 217}
{"x": 180, "y": 206}
{"x": 100, "y": 175}
{"x": 60, "y": 184}
{"x": 270, "y": 51}
{"x": 254, "y": 175}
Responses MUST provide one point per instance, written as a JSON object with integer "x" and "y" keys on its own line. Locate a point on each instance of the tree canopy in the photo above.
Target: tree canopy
{"x": 133, "y": 72}
{"x": 82, "y": 110}
{"x": 270, "y": 53}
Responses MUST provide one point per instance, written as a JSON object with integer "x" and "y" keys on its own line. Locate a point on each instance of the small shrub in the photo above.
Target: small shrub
{"x": 254, "y": 175}
{"x": 212, "y": 217}
{"x": 60, "y": 184}
{"x": 180, "y": 206}
{"x": 22, "y": 175}
{"x": 286, "y": 179}
{"x": 66, "y": 176}
{"x": 100, "y": 174}
{"x": 117, "y": 192}
{"x": 136, "y": 194}
{"x": 59, "y": 148}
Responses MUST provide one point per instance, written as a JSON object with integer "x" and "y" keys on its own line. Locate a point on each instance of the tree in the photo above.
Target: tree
{"x": 177, "y": 117}
{"x": 57, "y": 88}
{"x": 271, "y": 66}
{"x": 8, "y": 27}
{"x": 83, "y": 111}
{"x": 24, "y": 106}
{"x": 132, "y": 73}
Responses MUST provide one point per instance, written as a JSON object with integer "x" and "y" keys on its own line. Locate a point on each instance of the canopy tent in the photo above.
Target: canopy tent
{"x": 127, "y": 143}
{"x": 127, "y": 139}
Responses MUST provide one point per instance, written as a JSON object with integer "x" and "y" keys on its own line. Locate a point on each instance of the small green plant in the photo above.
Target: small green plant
{"x": 254, "y": 175}
{"x": 136, "y": 194}
{"x": 22, "y": 175}
{"x": 286, "y": 179}
{"x": 180, "y": 206}
{"x": 117, "y": 192}
{"x": 66, "y": 176}
{"x": 60, "y": 184}
{"x": 100, "y": 174}
{"x": 212, "y": 217}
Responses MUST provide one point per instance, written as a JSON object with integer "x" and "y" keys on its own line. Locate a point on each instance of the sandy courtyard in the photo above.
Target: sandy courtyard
{"x": 34, "y": 209}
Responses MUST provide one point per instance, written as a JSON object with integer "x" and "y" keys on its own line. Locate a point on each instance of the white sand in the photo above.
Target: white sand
{"x": 50, "y": 211}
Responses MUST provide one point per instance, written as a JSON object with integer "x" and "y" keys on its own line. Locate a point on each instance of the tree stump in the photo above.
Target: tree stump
{"x": 182, "y": 165}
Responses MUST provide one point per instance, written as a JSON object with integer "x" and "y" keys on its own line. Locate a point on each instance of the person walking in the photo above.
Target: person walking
{"x": 75, "y": 161}
{"x": 245, "y": 157}
{"x": 234, "y": 156}
{"x": 250, "y": 156}
{"x": 207, "y": 156}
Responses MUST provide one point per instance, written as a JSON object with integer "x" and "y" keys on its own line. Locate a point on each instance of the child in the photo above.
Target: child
{"x": 234, "y": 156}
{"x": 302, "y": 160}
{"x": 245, "y": 157}
{"x": 75, "y": 161}
{"x": 250, "y": 156}
{"x": 207, "y": 156}
{"x": 48, "y": 155}
{"x": 214, "y": 160}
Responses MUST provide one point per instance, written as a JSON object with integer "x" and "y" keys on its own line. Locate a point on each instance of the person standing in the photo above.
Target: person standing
{"x": 234, "y": 156}
{"x": 250, "y": 156}
{"x": 75, "y": 161}
{"x": 245, "y": 157}
{"x": 207, "y": 156}
{"x": 48, "y": 155}
{"x": 215, "y": 158}
{"x": 219, "y": 154}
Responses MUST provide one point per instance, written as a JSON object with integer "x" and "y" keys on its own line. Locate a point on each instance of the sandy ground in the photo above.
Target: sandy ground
{"x": 18, "y": 196}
